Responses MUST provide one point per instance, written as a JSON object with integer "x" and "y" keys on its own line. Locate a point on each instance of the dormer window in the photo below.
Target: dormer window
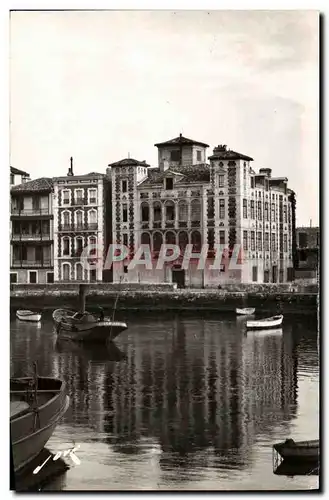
{"x": 198, "y": 155}
{"x": 169, "y": 183}
{"x": 175, "y": 155}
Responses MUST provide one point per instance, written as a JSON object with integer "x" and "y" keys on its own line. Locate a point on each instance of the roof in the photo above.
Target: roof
{"x": 191, "y": 173}
{"x": 178, "y": 141}
{"x": 79, "y": 176}
{"x": 16, "y": 171}
{"x": 222, "y": 153}
{"x": 129, "y": 162}
{"x": 44, "y": 184}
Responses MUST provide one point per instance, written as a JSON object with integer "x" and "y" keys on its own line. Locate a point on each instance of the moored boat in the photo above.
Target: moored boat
{"x": 268, "y": 332}
{"x": 25, "y": 315}
{"x": 86, "y": 326}
{"x": 36, "y": 406}
{"x": 266, "y": 323}
{"x": 291, "y": 450}
{"x": 246, "y": 311}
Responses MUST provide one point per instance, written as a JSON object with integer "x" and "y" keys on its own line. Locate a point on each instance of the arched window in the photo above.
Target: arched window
{"x": 78, "y": 246}
{"x": 157, "y": 242}
{"x": 182, "y": 211}
{"x": 66, "y": 243}
{"x": 145, "y": 239}
{"x": 92, "y": 217}
{"x": 79, "y": 219}
{"x": 66, "y": 272}
{"x": 170, "y": 238}
{"x": 196, "y": 241}
{"x": 145, "y": 212}
{"x": 157, "y": 212}
{"x": 66, "y": 219}
{"x": 170, "y": 211}
{"x": 78, "y": 271}
{"x": 92, "y": 242}
{"x": 195, "y": 210}
{"x": 182, "y": 239}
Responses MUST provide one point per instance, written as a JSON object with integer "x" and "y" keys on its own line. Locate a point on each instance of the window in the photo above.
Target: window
{"x": 78, "y": 247}
{"x": 273, "y": 243}
{"x": 245, "y": 210}
{"x": 66, "y": 219}
{"x": 266, "y": 242}
{"x": 252, "y": 209}
{"x": 302, "y": 240}
{"x": 285, "y": 213}
{"x": 222, "y": 237}
{"x": 13, "y": 277}
{"x": 92, "y": 217}
{"x": 198, "y": 155}
{"x": 273, "y": 212}
{"x": 252, "y": 240}
{"x": 124, "y": 186}
{"x": 254, "y": 273}
{"x": 266, "y": 210}
{"x": 145, "y": 212}
{"x": 50, "y": 277}
{"x": 259, "y": 241}
{"x": 79, "y": 272}
{"x": 175, "y": 155}
{"x": 157, "y": 212}
{"x": 285, "y": 243}
{"x": 169, "y": 183}
{"x": 125, "y": 239}
{"x": 170, "y": 211}
{"x": 32, "y": 276}
{"x": 79, "y": 219}
{"x": 92, "y": 196}
{"x": 125, "y": 269}
{"x": 92, "y": 245}
{"x": 124, "y": 213}
{"x": 196, "y": 210}
{"x": 259, "y": 210}
{"x": 66, "y": 197}
{"x": 182, "y": 211}
{"x": 221, "y": 181}
{"x": 78, "y": 194}
{"x": 245, "y": 240}
{"x": 252, "y": 182}
{"x": 66, "y": 246}
{"x": 66, "y": 272}
{"x": 222, "y": 209}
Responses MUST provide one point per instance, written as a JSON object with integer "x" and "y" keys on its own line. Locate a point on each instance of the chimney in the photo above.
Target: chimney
{"x": 266, "y": 171}
{"x": 310, "y": 222}
{"x": 70, "y": 171}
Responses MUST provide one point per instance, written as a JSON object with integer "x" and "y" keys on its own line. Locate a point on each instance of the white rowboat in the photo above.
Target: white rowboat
{"x": 266, "y": 332}
{"x": 28, "y": 315}
{"x": 247, "y": 311}
{"x": 266, "y": 323}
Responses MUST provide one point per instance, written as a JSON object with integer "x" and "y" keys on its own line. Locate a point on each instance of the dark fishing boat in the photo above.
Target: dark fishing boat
{"x": 36, "y": 406}
{"x": 86, "y": 326}
{"x": 305, "y": 451}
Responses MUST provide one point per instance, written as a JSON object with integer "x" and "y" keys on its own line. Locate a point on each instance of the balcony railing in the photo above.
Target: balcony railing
{"x": 78, "y": 201}
{"x": 78, "y": 227}
{"x": 30, "y": 211}
{"x": 31, "y": 237}
{"x": 32, "y": 263}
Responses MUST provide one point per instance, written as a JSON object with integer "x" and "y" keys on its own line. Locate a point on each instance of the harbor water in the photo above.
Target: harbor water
{"x": 179, "y": 402}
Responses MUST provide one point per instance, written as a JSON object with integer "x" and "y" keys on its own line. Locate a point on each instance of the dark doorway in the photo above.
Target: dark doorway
{"x": 92, "y": 274}
{"x": 178, "y": 276}
{"x": 255, "y": 273}
{"x": 33, "y": 276}
{"x": 274, "y": 274}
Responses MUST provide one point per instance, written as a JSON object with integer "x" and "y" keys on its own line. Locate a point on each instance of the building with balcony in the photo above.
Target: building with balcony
{"x": 18, "y": 176}
{"x": 79, "y": 221}
{"x": 31, "y": 232}
{"x": 186, "y": 200}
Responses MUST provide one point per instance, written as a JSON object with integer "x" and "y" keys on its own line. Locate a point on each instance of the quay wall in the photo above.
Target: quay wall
{"x": 165, "y": 297}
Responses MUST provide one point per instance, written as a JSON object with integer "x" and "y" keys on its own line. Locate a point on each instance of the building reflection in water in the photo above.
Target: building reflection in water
{"x": 186, "y": 385}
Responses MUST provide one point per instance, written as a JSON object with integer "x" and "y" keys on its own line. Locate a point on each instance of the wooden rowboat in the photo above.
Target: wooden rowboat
{"x": 85, "y": 326}
{"x": 291, "y": 450}
{"x": 25, "y": 315}
{"x": 263, "y": 324}
{"x": 36, "y": 406}
{"x": 247, "y": 311}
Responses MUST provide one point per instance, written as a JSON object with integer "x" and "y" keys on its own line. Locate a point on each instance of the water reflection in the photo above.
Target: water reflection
{"x": 193, "y": 392}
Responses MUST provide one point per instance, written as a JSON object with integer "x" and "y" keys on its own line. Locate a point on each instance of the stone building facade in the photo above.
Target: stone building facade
{"x": 187, "y": 201}
{"x": 79, "y": 222}
{"x": 31, "y": 232}
{"x": 308, "y": 252}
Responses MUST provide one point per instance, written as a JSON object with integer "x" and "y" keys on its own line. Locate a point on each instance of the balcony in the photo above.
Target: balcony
{"x": 31, "y": 263}
{"x": 30, "y": 212}
{"x": 78, "y": 201}
{"x": 78, "y": 227}
{"x": 32, "y": 237}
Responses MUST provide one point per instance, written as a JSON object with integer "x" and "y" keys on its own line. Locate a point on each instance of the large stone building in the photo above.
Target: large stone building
{"x": 80, "y": 222}
{"x": 185, "y": 200}
{"x": 31, "y": 232}
{"x": 308, "y": 246}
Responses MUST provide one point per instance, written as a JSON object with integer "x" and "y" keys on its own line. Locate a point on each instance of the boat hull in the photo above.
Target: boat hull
{"x": 28, "y": 317}
{"x": 247, "y": 311}
{"x": 298, "y": 451}
{"x": 31, "y": 429}
{"x": 265, "y": 324}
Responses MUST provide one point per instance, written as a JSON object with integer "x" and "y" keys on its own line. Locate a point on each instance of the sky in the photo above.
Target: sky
{"x": 101, "y": 85}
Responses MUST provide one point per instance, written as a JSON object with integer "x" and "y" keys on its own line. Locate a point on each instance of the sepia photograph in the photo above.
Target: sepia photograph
{"x": 164, "y": 249}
